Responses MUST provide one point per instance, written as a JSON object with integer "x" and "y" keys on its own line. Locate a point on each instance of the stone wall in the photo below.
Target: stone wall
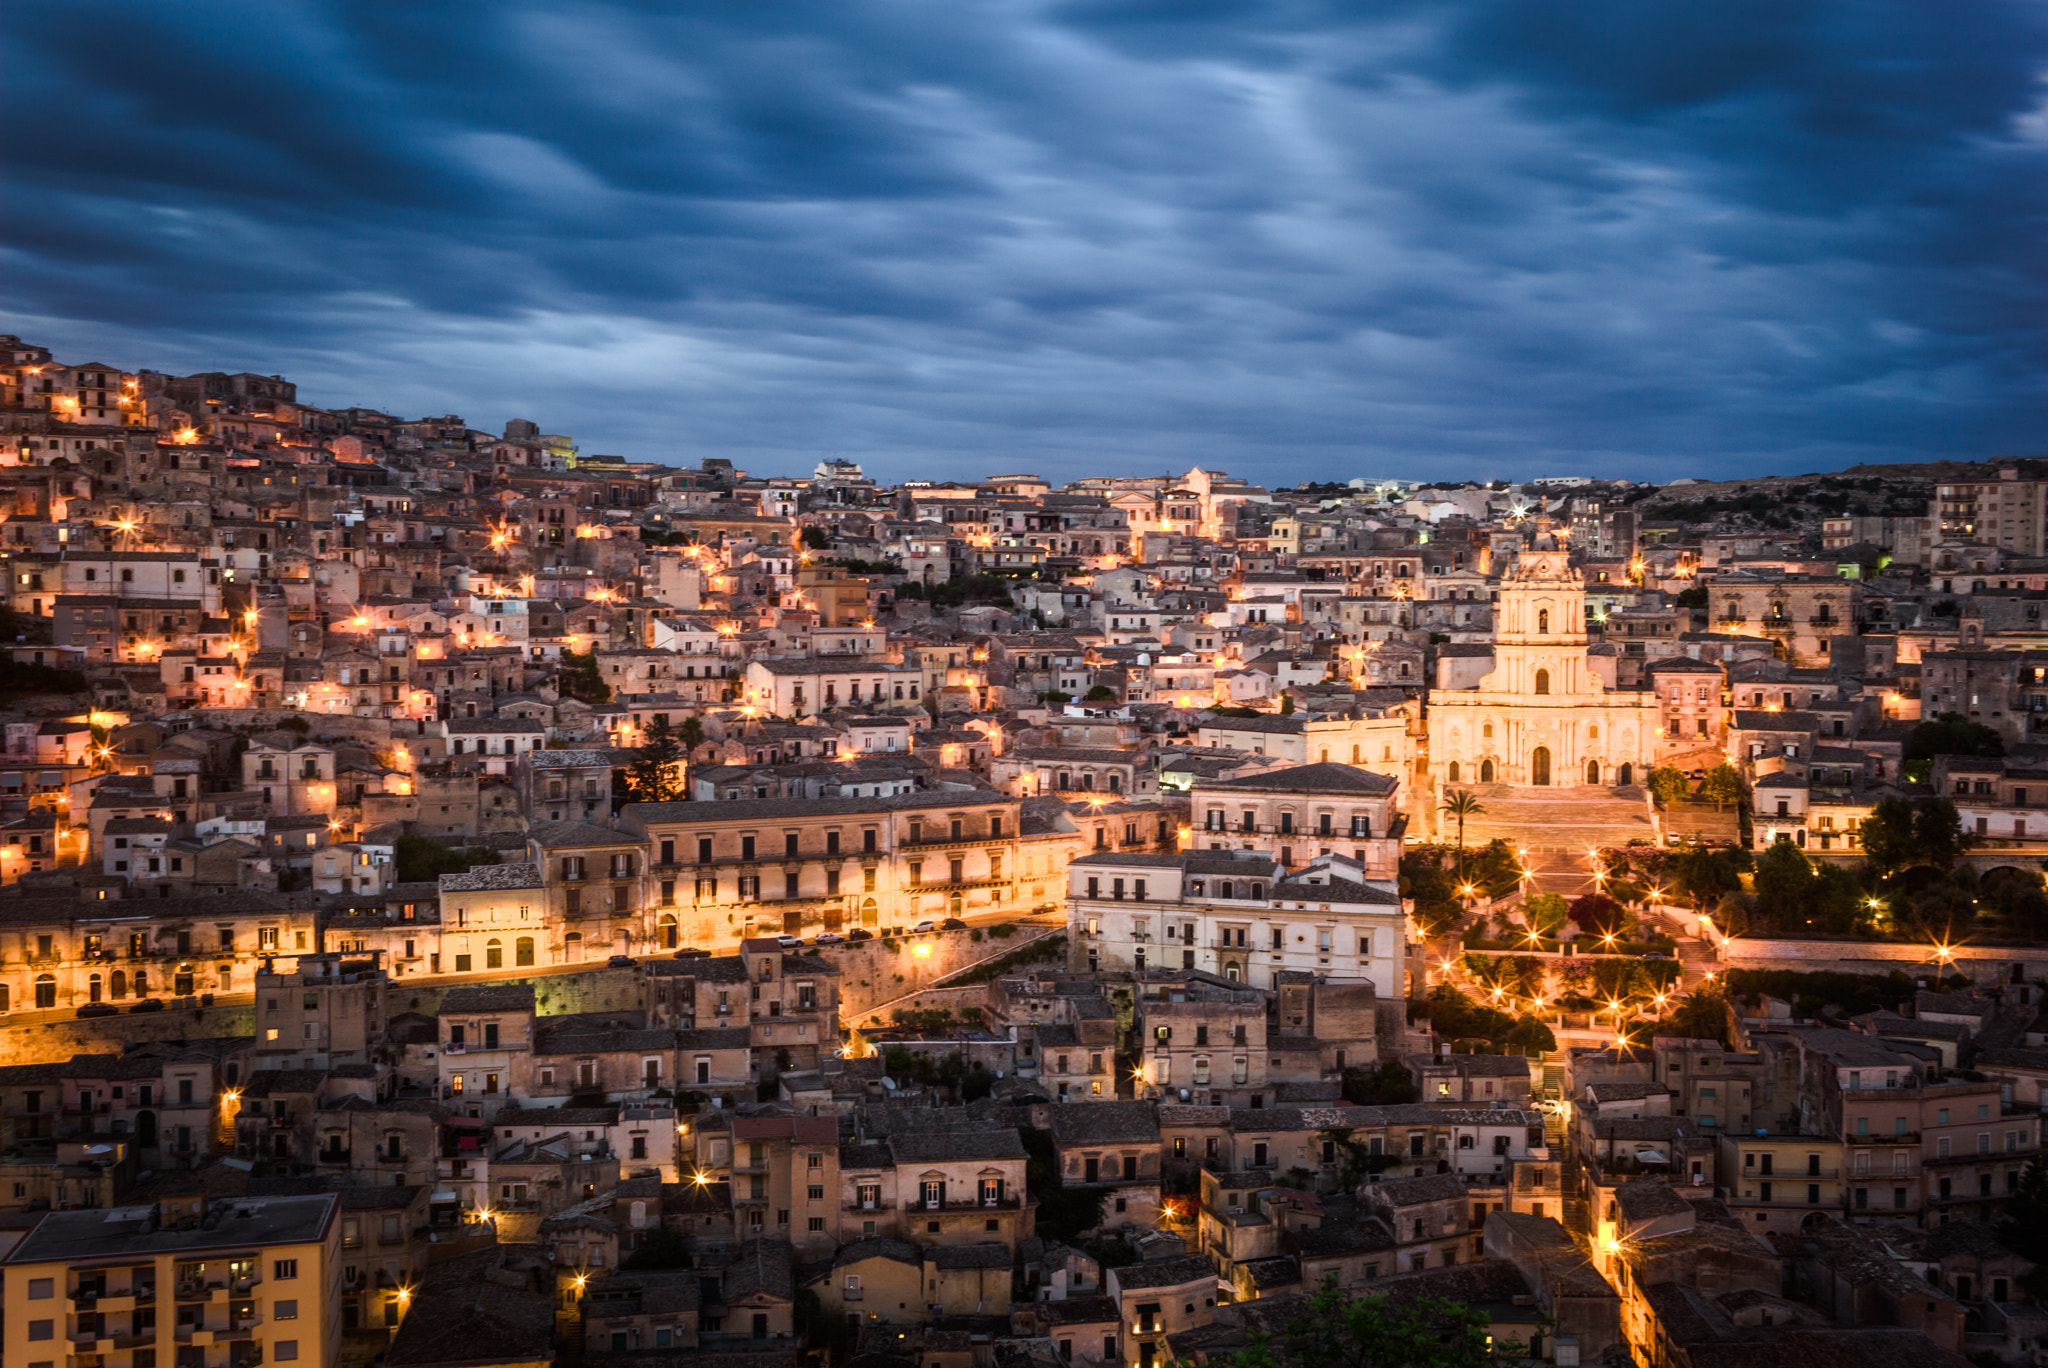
{"x": 1983, "y": 963}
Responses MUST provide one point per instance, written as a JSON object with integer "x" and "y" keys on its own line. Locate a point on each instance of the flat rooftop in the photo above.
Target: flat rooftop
{"x": 130, "y": 1232}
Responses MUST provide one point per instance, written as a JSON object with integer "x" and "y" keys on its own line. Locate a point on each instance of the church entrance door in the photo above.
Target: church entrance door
{"x": 1539, "y": 766}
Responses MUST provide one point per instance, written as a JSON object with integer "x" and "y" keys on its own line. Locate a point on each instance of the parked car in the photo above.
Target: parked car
{"x": 922, "y": 927}
{"x": 691, "y": 952}
{"x": 788, "y": 942}
{"x": 830, "y": 938}
{"x": 952, "y": 924}
{"x": 148, "y": 1005}
{"x": 858, "y": 934}
{"x": 99, "y": 1009}
{"x": 620, "y": 962}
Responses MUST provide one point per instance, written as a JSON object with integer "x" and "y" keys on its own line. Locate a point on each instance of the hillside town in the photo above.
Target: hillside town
{"x": 458, "y": 889}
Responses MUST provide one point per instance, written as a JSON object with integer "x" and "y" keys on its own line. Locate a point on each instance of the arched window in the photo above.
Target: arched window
{"x": 954, "y": 905}
{"x": 1543, "y": 681}
{"x": 1592, "y": 733}
{"x": 668, "y": 931}
{"x": 1326, "y": 755}
{"x": 1454, "y": 772}
{"x": 869, "y": 914}
{"x": 119, "y": 988}
{"x": 92, "y": 988}
{"x": 1592, "y": 771}
{"x": 1542, "y": 620}
{"x": 1486, "y": 771}
{"x": 522, "y": 951}
{"x": 494, "y": 954}
{"x": 1487, "y": 730}
{"x": 46, "y": 990}
{"x": 572, "y": 947}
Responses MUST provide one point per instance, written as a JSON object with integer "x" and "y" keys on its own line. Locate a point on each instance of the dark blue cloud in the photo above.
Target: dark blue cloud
{"x": 1293, "y": 239}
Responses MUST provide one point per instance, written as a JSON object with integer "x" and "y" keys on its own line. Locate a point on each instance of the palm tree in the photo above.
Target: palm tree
{"x": 1461, "y": 804}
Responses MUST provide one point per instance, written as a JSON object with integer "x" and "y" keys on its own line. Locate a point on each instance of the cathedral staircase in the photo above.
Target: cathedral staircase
{"x": 1557, "y": 819}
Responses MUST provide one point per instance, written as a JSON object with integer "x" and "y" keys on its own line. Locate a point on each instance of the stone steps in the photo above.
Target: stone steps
{"x": 1557, "y": 819}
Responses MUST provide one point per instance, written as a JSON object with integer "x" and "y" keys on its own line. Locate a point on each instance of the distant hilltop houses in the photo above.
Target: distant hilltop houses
{"x": 471, "y": 899}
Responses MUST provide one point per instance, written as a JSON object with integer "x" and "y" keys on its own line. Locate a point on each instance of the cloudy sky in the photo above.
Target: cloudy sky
{"x": 950, "y": 237}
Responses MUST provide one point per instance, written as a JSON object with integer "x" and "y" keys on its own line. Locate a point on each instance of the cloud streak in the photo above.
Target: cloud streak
{"x": 1292, "y": 239}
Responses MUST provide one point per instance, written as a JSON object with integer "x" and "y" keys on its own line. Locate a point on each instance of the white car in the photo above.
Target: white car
{"x": 922, "y": 927}
{"x": 830, "y": 938}
{"x": 790, "y": 942}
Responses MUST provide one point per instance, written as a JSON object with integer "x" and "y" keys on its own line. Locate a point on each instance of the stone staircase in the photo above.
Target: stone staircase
{"x": 1558, "y": 819}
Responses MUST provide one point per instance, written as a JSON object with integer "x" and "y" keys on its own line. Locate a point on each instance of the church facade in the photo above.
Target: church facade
{"x": 1542, "y": 718}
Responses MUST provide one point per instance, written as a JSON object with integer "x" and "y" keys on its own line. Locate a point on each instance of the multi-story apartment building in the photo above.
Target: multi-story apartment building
{"x": 1237, "y": 915}
{"x": 1803, "y": 613}
{"x": 1297, "y": 814}
{"x": 261, "y": 1272}
{"x": 326, "y": 1011}
{"x": 937, "y": 1187}
{"x": 64, "y": 952}
{"x": 1202, "y": 1044}
{"x": 2007, "y": 512}
{"x": 728, "y": 871}
{"x": 1774, "y": 1182}
{"x": 1919, "y": 1149}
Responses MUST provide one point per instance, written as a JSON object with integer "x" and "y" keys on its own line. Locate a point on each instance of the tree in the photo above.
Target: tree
{"x": 1460, "y": 804}
{"x": 1938, "y": 832}
{"x": 1668, "y": 784}
{"x": 814, "y": 539}
{"x": 1599, "y": 915}
{"x": 1948, "y": 734}
{"x": 658, "y": 1247}
{"x": 1887, "y": 837}
{"x": 423, "y": 861}
{"x": 1531, "y": 1037}
{"x": 1706, "y": 876}
{"x": 1064, "y": 1214}
{"x": 1101, "y": 693}
{"x": 1287, "y": 705}
{"x": 1899, "y": 834}
{"x": 1546, "y": 913}
{"x": 1338, "y": 1329}
{"x": 823, "y": 1332}
{"x": 1795, "y": 894}
{"x": 1724, "y": 785}
{"x": 654, "y": 775}
{"x": 2023, "y": 1228}
{"x": 1384, "y": 1084}
{"x": 578, "y": 677}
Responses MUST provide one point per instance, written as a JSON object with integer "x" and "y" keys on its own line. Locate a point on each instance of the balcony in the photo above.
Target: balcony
{"x": 879, "y": 1204}
{"x": 1007, "y": 1202}
{"x": 1789, "y": 1202}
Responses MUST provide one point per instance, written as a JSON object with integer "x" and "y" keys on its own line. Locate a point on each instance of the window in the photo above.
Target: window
{"x": 284, "y": 1270}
